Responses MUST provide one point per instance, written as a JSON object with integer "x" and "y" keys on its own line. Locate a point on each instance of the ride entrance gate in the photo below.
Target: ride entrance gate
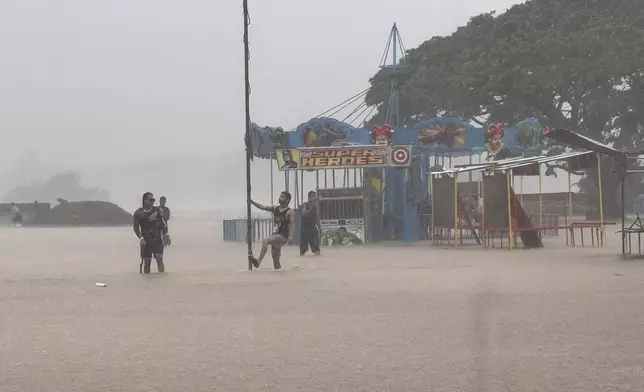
{"x": 343, "y": 216}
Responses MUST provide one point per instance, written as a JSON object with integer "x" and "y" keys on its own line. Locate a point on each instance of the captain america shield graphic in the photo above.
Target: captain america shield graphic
{"x": 399, "y": 156}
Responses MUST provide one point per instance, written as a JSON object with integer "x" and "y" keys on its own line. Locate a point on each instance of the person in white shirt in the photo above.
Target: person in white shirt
{"x": 16, "y": 215}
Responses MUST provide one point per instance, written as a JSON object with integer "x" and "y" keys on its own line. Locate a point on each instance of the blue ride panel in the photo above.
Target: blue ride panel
{"x": 406, "y": 193}
{"x": 440, "y": 135}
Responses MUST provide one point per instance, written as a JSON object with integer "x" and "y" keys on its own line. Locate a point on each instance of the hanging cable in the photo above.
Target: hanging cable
{"x": 362, "y": 104}
{"x": 389, "y": 114}
{"x": 403, "y": 50}
{"x": 341, "y": 106}
{"x": 424, "y": 96}
{"x": 362, "y": 108}
{"x": 367, "y": 117}
{"x": 356, "y": 99}
{"x": 385, "y": 54}
{"x": 357, "y": 116}
{"x": 361, "y": 93}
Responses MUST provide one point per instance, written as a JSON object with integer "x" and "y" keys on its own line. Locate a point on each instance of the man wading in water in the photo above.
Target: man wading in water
{"x": 166, "y": 216}
{"x": 309, "y": 233}
{"x": 284, "y": 221}
{"x": 16, "y": 215}
{"x": 151, "y": 228}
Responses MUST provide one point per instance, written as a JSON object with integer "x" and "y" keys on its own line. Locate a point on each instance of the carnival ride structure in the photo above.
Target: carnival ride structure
{"x": 390, "y": 181}
{"x": 390, "y": 163}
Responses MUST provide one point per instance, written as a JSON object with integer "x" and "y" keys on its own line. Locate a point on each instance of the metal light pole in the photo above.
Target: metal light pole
{"x": 249, "y": 148}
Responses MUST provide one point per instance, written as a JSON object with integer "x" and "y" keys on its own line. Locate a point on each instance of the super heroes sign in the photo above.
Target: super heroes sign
{"x": 343, "y": 157}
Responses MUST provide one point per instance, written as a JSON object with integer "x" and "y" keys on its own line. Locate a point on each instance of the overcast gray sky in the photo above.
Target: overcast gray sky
{"x": 100, "y": 85}
{"x": 93, "y": 80}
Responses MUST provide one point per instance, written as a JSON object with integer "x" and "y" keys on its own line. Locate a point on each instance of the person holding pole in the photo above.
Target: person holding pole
{"x": 284, "y": 224}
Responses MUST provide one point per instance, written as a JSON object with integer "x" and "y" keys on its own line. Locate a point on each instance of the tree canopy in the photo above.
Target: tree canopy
{"x": 577, "y": 64}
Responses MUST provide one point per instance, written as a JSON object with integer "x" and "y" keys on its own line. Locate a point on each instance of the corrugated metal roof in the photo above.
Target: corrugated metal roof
{"x": 511, "y": 163}
{"x": 563, "y": 156}
{"x": 577, "y": 140}
{"x": 525, "y": 162}
{"x": 460, "y": 170}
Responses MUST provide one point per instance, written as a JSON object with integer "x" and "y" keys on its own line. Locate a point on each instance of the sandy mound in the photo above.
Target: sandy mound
{"x": 83, "y": 213}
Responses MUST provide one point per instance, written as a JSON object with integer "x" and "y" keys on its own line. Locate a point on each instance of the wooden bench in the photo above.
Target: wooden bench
{"x": 635, "y": 228}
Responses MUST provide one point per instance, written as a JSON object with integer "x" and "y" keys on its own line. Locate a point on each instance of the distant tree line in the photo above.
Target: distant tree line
{"x": 66, "y": 186}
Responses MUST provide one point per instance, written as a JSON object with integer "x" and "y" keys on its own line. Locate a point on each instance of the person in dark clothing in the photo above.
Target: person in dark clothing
{"x": 164, "y": 208}
{"x": 309, "y": 230}
{"x": 283, "y": 222}
{"x": 150, "y": 227}
{"x": 166, "y": 216}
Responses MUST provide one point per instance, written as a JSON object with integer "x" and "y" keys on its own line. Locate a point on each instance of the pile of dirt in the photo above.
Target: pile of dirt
{"x": 82, "y": 213}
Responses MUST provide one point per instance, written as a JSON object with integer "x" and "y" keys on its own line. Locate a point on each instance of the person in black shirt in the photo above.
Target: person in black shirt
{"x": 309, "y": 234}
{"x": 166, "y": 216}
{"x": 283, "y": 222}
{"x": 150, "y": 227}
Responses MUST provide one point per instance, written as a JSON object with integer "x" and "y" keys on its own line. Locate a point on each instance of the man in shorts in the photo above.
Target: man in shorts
{"x": 284, "y": 222}
{"x": 150, "y": 227}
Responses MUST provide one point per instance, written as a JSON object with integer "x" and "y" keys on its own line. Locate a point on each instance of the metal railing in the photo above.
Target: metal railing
{"x": 547, "y": 220}
{"x": 235, "y": 229}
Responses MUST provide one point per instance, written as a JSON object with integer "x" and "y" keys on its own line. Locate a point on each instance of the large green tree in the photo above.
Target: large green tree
{"x": 576, "y": 64}
{"x": 573, "y": 63}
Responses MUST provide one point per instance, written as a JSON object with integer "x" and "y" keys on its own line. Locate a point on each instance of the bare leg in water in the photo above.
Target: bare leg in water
{"x": 146, "y": 264}
{"x": 147, "y": 261}
{"x": 276, "y": 252}
{"x": 262, "y": 253}
{"x": 276, "y": 242}
{"x": 160, "y": 265}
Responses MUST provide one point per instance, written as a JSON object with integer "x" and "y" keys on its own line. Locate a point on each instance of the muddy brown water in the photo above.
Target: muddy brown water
{"x": 373, "y": 318}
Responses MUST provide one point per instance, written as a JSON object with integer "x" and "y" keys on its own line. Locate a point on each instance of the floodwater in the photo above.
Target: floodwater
{"x": 373, "y": 318}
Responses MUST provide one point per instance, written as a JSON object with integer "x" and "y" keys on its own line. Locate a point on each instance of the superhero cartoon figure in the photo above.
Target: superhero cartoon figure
{"x": 451, "y": 135}
{"x": 278, "y": 137}
{"x": 341, "y": 236}
{"x": 325, "y": 137}
{"x": 530, "y": 134}
{"x": 494, "y": 139}
{"x": 381, "y": 134}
